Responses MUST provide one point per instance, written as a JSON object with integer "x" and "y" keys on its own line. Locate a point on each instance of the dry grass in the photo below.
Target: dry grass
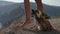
{"x": 14, "y": 24}
{"x": 19, "y": 22}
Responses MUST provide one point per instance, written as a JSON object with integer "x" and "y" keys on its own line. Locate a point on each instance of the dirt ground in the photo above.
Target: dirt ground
{"x": 13, "y": 28}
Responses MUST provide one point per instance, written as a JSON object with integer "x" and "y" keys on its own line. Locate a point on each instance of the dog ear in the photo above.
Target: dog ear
{"x": 33, "y": 11}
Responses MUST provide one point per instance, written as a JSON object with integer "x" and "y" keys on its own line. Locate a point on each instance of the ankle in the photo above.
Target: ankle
{"x": 28, "y": 21}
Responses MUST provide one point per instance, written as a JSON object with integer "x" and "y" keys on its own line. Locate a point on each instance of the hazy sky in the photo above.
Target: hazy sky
{"x": 49, "y": 2}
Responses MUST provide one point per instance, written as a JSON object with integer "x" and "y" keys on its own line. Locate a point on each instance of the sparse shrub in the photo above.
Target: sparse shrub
{"x": 46, "y": 16}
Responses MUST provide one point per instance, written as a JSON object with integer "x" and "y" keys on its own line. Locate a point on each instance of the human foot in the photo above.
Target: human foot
{"x": 31, "y": 26}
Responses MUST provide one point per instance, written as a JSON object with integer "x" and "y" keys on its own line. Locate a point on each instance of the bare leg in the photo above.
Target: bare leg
{"x": 28, "y": 24}
{"x": 39, "y": 6}
{"x": 27, "y": 9}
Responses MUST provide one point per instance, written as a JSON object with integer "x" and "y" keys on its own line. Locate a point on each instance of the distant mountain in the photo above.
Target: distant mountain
{"x": 7, "y": 6}
{"x": 50, "y": 10}
{"x": 9, "y": 12}
{"x": 4, "y": 3}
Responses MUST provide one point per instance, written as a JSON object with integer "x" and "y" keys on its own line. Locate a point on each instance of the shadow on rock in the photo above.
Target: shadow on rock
{"x": 49, "y": 32}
